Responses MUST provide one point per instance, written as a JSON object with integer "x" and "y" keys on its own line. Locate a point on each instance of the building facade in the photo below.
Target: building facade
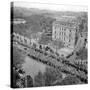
{"x": 65, "y": 32}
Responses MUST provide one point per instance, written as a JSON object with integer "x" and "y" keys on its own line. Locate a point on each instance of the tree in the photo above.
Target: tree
{"x": 51, "y": 75}
{"x": 16, "y": 77}
{"x": 18, "y": 58}
{"x": 83, "y": 23}
{"x": 29, "y": 81}
{"x": 39, "y": 80}
{"x": 82, "y": 54}
{"x": 69, "y": 80}
{"x": 58, "y": 44}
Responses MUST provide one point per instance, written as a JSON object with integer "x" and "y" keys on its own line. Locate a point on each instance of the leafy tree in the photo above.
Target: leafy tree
{"x": 29, "y": 81}
{"x": 83, "y": 23}
{"x": 69, "y": 80}
{"x": 58, "y": 44}
{"x": 82, "y": 54}
{"x": 39, "y": 80}
{"x": 51, "y": 75}
{"x": 18, "y": 58}
{"x": 16, "y": 77}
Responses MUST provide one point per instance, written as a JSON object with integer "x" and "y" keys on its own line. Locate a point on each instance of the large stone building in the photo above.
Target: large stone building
{"x": 64, "y": 31}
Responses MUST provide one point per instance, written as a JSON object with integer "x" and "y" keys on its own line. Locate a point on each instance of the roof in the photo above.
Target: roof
{"x": 66, "y": 21}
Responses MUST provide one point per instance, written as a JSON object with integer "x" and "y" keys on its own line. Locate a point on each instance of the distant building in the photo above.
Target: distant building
{"x": 18, "y": 21}
{"x": 64, "y": 31}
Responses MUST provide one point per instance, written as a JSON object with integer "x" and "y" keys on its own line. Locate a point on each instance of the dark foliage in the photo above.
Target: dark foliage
{"x": 29, "y": 81}
{"x": 82, "y": 54}
{"x": 18, "y": 58}
{"x": 69, "y": 80}
{"x": 39, "y": 80}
